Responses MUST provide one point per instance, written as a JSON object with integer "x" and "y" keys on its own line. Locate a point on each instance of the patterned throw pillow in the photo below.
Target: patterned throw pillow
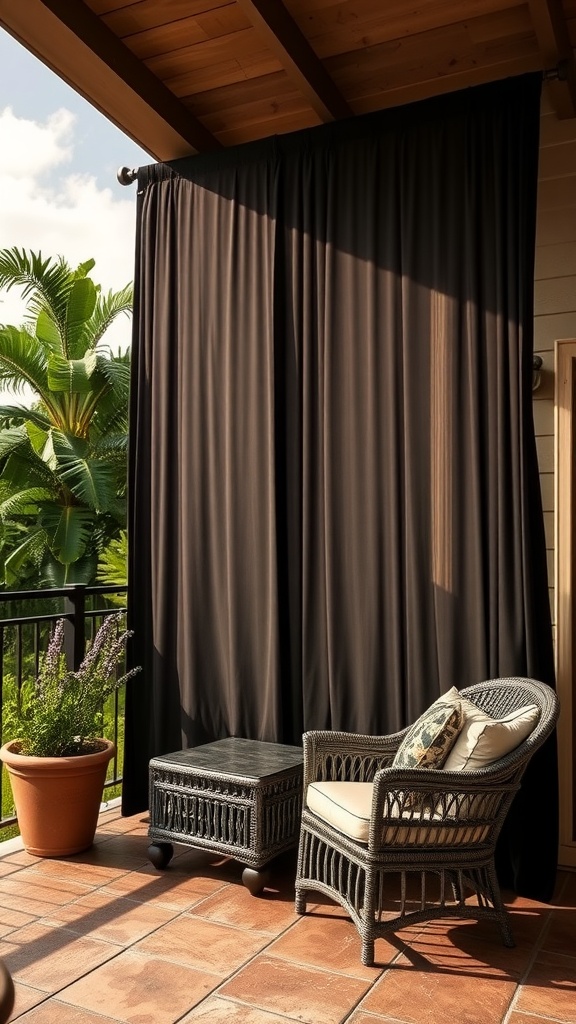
{"x": 429, "y": 741}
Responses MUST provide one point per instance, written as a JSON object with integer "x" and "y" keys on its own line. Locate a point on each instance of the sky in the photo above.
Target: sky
{"x": 58, "y": 188}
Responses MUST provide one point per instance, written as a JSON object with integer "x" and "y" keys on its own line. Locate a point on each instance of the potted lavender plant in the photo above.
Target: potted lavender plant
{"x": 57, "y": 765}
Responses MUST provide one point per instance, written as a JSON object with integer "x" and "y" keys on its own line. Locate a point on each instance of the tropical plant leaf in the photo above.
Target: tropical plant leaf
{"x": 22, "y": 361}
{"x": 14, "y": 439}
{"x": 113, "y": 561}
{"x": 117, "y": 372}
{"x": 90, "y": 480}
{"x": 118, "y": 511}
{"x": 47, "y": 454}
{"x": 68, "y": 530}
{"x": 83, "y": 269}
{"x": 108, "y": 308}
{"x": 30, "y": 272}
{"x": 55, "y": 574}
{"x": 47, "y": 331}
{"x": 71, "y": 375}
{"x": 27, "y": 469}
{"x": 24, "y": 502}
{"x": 113, "y": 566}
{"x": 38, "y": 436}
{"x": 112, "y": 449}
{"x": 27, "y": 550}
{"x": 81, "y": 303}
{"x": 111, "y": 445}
{"x": 106, "y": 408}
{"x": 21, "y": 412}
{"x": 45, "y": 282}
{"x": 111, "y": 412}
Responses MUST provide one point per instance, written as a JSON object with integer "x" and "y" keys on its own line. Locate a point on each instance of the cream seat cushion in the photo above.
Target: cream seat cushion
{"x": 347, "y": 806}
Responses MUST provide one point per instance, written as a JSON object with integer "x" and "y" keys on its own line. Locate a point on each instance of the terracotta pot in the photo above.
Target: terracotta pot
{"x": 57, "y": 798}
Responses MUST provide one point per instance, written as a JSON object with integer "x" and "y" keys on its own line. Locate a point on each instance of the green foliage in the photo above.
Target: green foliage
{"x": 63, "y": 461}
{"x": 113, "y": 566}
{"x": 61, "y": 713}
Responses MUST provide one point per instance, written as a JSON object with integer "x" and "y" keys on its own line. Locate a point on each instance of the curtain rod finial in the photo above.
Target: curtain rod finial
{"x": 127, "y": 175}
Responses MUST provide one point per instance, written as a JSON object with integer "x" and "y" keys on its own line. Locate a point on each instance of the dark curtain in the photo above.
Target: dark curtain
{"x": 334, "y": 498}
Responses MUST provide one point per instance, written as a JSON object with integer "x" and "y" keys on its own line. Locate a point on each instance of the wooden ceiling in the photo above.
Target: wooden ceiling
{"x": 185, "y": 76}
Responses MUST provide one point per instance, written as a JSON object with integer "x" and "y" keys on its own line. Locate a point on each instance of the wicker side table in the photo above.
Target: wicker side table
{"x": 241, "y": 798}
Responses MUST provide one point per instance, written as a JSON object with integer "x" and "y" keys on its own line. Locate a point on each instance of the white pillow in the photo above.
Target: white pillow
{"x": 483, "y": 740}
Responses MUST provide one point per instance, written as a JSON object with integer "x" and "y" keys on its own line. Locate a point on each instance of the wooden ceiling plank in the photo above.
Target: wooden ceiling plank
{"x": 297, "y": 57}
{"x": 156, "y": 42}
{"x": 104, "y": 6}
{"x": 278, "y": 125}
{"x": 238, "y": 46}
{"x": 112, "y": 53}
{"x": 356, "y": 24}
{"x": 125, "y": 18}
{"x": 427, "y": 71}
{"x": 428, "y": 54}
{"x": 513, "y": 20}
{"x": 553, "y": 38}
{"x": 147, "y": 15}
{"x": 276, "y": 86}
{"x": 413, "y": 92}
{"x": 222, "y": 74}
{"x": 263, "y": 112}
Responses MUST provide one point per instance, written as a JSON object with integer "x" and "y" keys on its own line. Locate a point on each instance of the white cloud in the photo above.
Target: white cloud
{"x": 45, "y": 209}
{"x": 49, "y": 143}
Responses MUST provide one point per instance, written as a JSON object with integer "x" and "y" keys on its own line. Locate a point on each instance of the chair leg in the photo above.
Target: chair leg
{"x": 367, "y": 954}
{"x": 503, "y": 919}
{"x": 300, "y": 903}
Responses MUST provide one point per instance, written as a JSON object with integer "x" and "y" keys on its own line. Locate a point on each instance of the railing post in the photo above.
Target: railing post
{"x": 75, "y": 626}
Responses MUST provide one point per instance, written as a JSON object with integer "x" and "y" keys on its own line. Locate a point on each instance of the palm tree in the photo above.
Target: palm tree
{"x": 63, "y": 460}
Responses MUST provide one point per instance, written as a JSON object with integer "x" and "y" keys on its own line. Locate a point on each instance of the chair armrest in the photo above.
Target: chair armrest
{"x": 346, "y": 756}
{"x": 423, "y": 806}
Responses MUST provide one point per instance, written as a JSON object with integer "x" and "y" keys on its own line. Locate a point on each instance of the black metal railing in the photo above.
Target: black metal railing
{"x": 26, "y": 621}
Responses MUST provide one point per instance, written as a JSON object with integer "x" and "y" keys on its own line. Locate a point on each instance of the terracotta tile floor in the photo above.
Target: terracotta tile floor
{"x": 105, "y": 937}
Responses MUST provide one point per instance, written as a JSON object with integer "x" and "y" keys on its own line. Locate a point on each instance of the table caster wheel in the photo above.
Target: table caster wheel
{"x": 160, "y": 854}
{"x": 255, "y": 880}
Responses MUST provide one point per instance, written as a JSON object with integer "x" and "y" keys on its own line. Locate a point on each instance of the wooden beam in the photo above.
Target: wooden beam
{"x": 78, "y": 47}
{"x": 553, "y": 38}
{"x": 297, "y": 57}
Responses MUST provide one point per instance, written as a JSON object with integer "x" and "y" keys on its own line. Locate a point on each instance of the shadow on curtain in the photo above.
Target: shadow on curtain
{"x": 335, "y": 506}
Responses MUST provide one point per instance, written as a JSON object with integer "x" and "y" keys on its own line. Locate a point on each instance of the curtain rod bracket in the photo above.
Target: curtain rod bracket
{"x": 126, "y": 175}
{"x": 559, "y": 73}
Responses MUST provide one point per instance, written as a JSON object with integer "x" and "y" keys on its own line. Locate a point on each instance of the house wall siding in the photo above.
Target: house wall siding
{"x": 554, "y": 290}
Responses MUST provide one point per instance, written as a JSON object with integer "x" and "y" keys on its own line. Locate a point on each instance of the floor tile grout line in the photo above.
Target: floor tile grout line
{"x": 536, "y": 949}
{"x": 547, "y": 1019}
{"x": 131, "y": 945}
{"x": 383, "y": 972}
{"x": 230, "y": 977}
{"x": 241, "y": 967}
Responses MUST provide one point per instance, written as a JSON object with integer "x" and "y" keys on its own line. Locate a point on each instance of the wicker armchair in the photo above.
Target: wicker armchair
{"x": 440, "y": 825}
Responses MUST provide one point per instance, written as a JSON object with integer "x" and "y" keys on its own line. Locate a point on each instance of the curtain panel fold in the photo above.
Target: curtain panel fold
{"x": 334, "y": 500}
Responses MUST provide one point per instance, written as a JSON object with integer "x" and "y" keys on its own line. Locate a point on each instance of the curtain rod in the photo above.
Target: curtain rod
{"x": 127, "y": 175}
